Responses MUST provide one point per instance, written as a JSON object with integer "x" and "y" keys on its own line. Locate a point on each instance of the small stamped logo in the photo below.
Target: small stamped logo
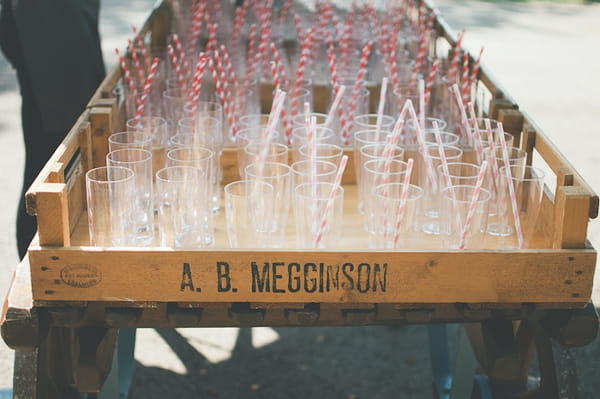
{"x": 80, "y": 276}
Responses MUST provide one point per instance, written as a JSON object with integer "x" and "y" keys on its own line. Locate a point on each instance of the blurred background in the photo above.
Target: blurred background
{"x": 545, "y": 54}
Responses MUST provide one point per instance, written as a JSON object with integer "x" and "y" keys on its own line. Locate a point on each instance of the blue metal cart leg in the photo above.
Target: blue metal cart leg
{"x": 125, "y": 352}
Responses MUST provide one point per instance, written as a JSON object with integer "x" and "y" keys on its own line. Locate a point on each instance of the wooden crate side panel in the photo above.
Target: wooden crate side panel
{"x": 101, "y": 119}
{"x": 53, "y": 214}
{"x": 329, "y": 277}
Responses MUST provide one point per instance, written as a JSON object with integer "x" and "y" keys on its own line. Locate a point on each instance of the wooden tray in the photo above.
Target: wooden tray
{"x": 557, "y": 274}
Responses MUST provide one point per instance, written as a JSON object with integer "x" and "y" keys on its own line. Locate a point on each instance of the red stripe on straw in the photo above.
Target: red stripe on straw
{"x": 146, "y": 91}
{"x": 465, "y": 79}
{"x": 194, "y": 96}
{"x": 221, "y": 93}
{"x": 136, "y": 63}
{"x": 181, "y": 54}
{"x": 142, "y": 47}
{"x": 418, "y": 62}
{"x": 178, "y": 70}
{"x": 250, "y": 65}
{"x": 285, "y": 10}
{"x": 306, "y": 45}
{"x": 331, "y": 60}
{"x": 475, "y": 70}
{"x": 452, "y": 71}
{"x": 472, "y": 206}
{"x": 229, "y": 67}
{"x": 346, "y": 38}
{"x": 403, "y": 201}
{"x": 128, "y": 78}
{"x": 280, "y": 69}
{"x": 196, "y": 27}
{"x": 298, "y": 25}
{"x": 430, "y": 80}
{"x": 331, "y": 200}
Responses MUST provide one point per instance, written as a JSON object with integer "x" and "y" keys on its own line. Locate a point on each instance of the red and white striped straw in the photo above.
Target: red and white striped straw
{"x": 472, "y": 206}
{"x": 183, "y": 59}
{"x": 334, "y": 107}
{"x": 250, "y": 65}
{"x": 418, "y": 62}
{"x": 358, "y": 84}
{"x": 229, "y": 67}
{"x": 304, "y": 54}
{"x": 285, "y": 9}
{"x": 298, "y": 25}
{"x": 127, "y": 75}
{"x": 492, "y": 148}
{"x": 464, "y": 121}
{"x": 430, "y": 80}
{"x": 511, "y": 188}
{"x": 391, "y": 142}
{"x": 142, "y": 47}
{"x": 475, "y": 70}
{"x": 268, "y": 132}
{"x": 196, "y": 27}
{"x": 346, "y": 39}
{"x": 331, "y": 60}
{"x": 421, "y": 85}
{"x": 194, "y": 96}
{"x": 136, "y": 63}
{"x": 146, "y": 91}
{"x": 395, "y": 76}
{"x": 330, "y": 201}
{"x": 422, "y": 148}
{"x": 453, "y": 69}
{"x": 178, "y": 70}
{"x": 403, "y": 200}
{"x": 211, "y": 45}
{"x": 443, "y": 159}
{"x": 381, "y": 105}
{"x": 465, "y": 79}
{"x": 477, "y": 143}
{"x": 221, "y": 93}
{"x": 280, "y": 68}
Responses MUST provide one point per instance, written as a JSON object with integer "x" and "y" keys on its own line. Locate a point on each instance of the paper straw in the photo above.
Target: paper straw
{"x": 422, "y": 149}
{"x": 463, "y": 114}
{"x": 511, "y": 188}
{"x": 475, "y": 70}
{"x": 304, "y": 54}
{"x": 465, "y": 79}
{"x": 224, "y": 81}
{"x": 127, "y": 75}
{"x": 268, "y": 132}
{"x": 146, "y": 91}
{"x": 334, "y": 107}
{"x": 476, "y": 135}
{"x": 422, "y": 103}
{"x": 280, "y": 69}
{"x": 472, "y": 205}
{"x": 221, "y": 93}
{"x": 284, "y": 11}
{"x": 298, "y": 25}
{"x": 196, "y": 27}
{"x": 331, "y": 60}
{"x": 452, "y": 70}
{"x": 229, "y": 67}
{"x": 142, "y": 47}
{"x": 331, "y": 200}
{"x": 250, "y": 65}
{"x": 346, "y": 38}
{"x": 381, "y": 106}
{"x": 358, "y": 84}
{"x": 493, "y": 160}
{"x": 430, "y": 81}
{"x": 391, "y": 142}
{"x": 418, "y": 62}
{"x": 194, "y": 95}
{"x": 136, "y": 63}
{"x": 178, "y": 70}
{"x": 403, "y": 201}
{"x": 181, "y": 54}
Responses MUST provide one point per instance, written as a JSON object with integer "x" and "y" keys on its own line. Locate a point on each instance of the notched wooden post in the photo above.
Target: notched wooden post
{"x": 101, "y": 124}
{"x": 571, "y": 211}
{"x": 512, "y": 121}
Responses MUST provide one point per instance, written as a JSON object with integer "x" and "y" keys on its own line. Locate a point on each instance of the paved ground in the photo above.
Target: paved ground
{"x": 544, "y": 54}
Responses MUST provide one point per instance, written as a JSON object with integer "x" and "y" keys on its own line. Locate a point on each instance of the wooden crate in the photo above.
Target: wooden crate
{"x": 63, "y": 269}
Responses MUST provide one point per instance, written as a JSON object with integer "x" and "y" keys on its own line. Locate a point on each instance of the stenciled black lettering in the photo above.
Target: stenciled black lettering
{"x": 294, "y": 277}
{"x": 380, "y": 277}
{"x": 223, "y": 277}
{"x": 313, "y": 280}
{"x": 186, "y": 278}
{"x": 260, "y": 282}
{"x": 321, "y": 275}
{"x": 277, "y": 276}
{"x": 333, "y": 278}
{"x": 364, "y": 277}
{"x": 349, "y": 283}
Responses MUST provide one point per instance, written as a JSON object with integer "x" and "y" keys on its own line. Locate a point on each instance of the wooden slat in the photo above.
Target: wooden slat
{"x": 562, "y": 276}
{"x": 500, "y": 103}
{"x": 101, "y": 124}
{"x": 512, "y": 121}
{"x": 571, "y": 217}
{"x": 53, "y": 214}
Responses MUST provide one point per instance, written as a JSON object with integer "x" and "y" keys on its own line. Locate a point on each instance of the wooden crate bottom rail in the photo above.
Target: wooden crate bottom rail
{"x": 161, "y": 275}
{"x": 174, "y": 315}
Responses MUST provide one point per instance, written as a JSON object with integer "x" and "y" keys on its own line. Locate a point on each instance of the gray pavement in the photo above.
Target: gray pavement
{"x": 544, "y": 54}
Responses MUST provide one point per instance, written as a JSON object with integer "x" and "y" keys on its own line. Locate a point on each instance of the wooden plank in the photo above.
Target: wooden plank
{"x": 512, "y": 121}
{"x": 497, "y": 104}
{"x": 299, "y": 276}
{"x": 101, "y": 124}
{"x": 53, "y": 215}
{"x": 571, "y": 217}
{"x": 85, "y": 146}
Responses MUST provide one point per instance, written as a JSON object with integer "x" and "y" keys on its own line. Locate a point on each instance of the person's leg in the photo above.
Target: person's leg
{"x": 39, "y": 146}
